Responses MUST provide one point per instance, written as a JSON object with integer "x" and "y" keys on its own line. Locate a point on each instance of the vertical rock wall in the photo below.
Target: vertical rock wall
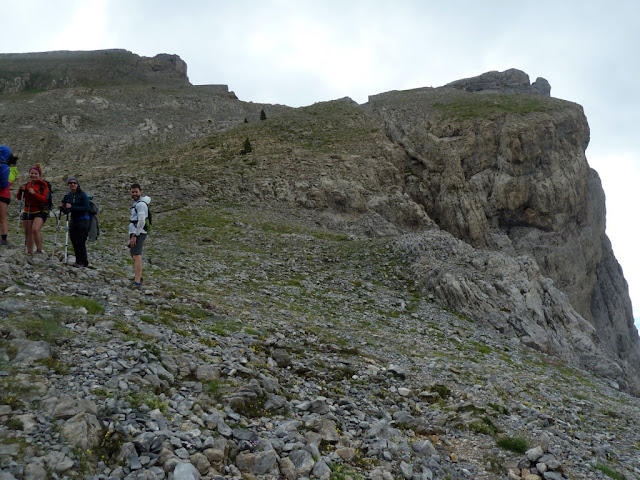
{"x": 509, "y": 172}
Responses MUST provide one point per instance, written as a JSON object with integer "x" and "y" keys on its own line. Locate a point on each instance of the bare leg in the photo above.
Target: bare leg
{"x": 4, "y": 224}
{"x": 137, "y": 267}
{"x": 36, "y": 231}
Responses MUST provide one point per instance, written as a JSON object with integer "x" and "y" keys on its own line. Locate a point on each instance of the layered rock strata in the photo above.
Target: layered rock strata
{"x": 509, "y": 172}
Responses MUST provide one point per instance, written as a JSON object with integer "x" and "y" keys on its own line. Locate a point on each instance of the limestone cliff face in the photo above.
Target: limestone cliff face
{"x": 51, "y": 70}
{"x": 508, "y": 172}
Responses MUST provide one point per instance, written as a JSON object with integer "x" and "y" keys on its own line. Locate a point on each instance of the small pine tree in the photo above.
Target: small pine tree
{"x": 245, "y": 120}
{"x": 263, "y": 116}
{"x": 246, "y": 148}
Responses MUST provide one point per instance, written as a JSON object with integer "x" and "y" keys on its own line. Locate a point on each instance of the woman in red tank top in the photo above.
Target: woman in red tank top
{"x": 35, "y": 194}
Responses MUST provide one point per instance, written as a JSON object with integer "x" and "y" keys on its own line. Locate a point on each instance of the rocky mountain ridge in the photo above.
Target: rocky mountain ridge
{"x": 482, "y": 187}
{"x": 63, "y": 69}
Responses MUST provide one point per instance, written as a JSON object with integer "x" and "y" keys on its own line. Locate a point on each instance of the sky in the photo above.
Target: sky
{"x": 298, "y": 52}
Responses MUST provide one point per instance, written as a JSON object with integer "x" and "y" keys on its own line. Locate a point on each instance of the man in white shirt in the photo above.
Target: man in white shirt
{"x": 137, "y": 231}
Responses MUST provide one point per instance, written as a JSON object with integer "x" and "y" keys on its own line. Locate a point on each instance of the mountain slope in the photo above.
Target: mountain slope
{"x": 373, "y": 291}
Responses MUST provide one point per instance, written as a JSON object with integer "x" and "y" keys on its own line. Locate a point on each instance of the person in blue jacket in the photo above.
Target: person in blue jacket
{"x": 76, "y": 203}
{"x": 8, "y": 173}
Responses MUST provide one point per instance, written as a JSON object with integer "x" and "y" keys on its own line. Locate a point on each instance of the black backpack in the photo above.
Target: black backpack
{"x": 49, "y": 206}
{"x": 94, "y": 225}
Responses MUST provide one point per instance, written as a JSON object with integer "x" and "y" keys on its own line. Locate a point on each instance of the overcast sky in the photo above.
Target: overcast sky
{"x": 298, "y": 52}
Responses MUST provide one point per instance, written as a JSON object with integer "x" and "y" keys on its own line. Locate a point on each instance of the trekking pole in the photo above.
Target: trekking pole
{"x": 27, "y": 208}
{"x": 22, "y": 203}
{"x": 66, "y": 240}
{"x": 55, "y": 237}
{"x": 19, "y": 215}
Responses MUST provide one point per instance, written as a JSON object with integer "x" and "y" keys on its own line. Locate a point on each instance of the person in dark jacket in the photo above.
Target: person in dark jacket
{"x": 76, "y": 204}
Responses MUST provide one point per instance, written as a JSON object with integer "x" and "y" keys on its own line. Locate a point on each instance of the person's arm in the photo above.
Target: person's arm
{"x": 142, "y": 215}
{"x": 21, "y": 191}
{"x": 41, "y": 196}
{"x": 4, "y": 176}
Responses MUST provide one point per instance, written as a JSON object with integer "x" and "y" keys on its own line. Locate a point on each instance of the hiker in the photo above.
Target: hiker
{"x": 36, "y": 197}
{"x": 8, "y": 173}
{"x": 137, "y": 230}
{"x": 76, "y": 203}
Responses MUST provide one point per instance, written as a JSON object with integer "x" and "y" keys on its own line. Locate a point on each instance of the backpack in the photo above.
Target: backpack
{"x": 94, "y": 225}
{"x": 49, "y": 205}
{"x": 148, "y": 222}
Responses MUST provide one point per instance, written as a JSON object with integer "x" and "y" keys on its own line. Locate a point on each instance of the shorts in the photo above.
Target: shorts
{"x": 5, "y": 200}
{"x": 31, "y": 216}
{"x": 137, "y": 248}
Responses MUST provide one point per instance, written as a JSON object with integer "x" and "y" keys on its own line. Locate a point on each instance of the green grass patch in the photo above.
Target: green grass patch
{"x": 190, "y": 311}
{"x": 513, "y": 444}
{"x": 54, "y": 364}
{"x": 45, "y": 326}
{"x": 344, "y": 472}
{"x": 443, "y": 391}
{"x": 149, "y": 399}
{"x": 223, "y": 327}
{"x": 499, "y": 408}
{"x": 488, "y": 106}
{"x": 14, "y": 424}
{"x": 215, "y": 388}
{"x": 610, "y": 413}
{"x": 483, "y": 425}
{"x": 92, "y": 306}
{"x": 608, "y": 471}
{"x": 482, "y": 348}
{"x": 12, "y": 392}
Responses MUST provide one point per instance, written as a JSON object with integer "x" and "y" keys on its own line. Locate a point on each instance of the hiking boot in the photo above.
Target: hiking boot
{"x": 137, "y": 285}
{"x": 4, "y": 243}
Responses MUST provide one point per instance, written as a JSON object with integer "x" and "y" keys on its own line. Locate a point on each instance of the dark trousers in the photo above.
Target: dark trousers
{"x": 78, "y": 232}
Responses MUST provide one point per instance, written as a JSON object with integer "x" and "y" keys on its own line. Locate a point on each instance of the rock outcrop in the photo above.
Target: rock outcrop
{"x": 508, "y": 172}
{"x": 50, "y": 70}
{"x": 509, "y": 81}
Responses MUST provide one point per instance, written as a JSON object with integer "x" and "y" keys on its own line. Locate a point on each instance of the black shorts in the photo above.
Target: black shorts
{"x": 5, "y": 200}
{"x": 137, "y": 248}
{"x": 31, "y": 216}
